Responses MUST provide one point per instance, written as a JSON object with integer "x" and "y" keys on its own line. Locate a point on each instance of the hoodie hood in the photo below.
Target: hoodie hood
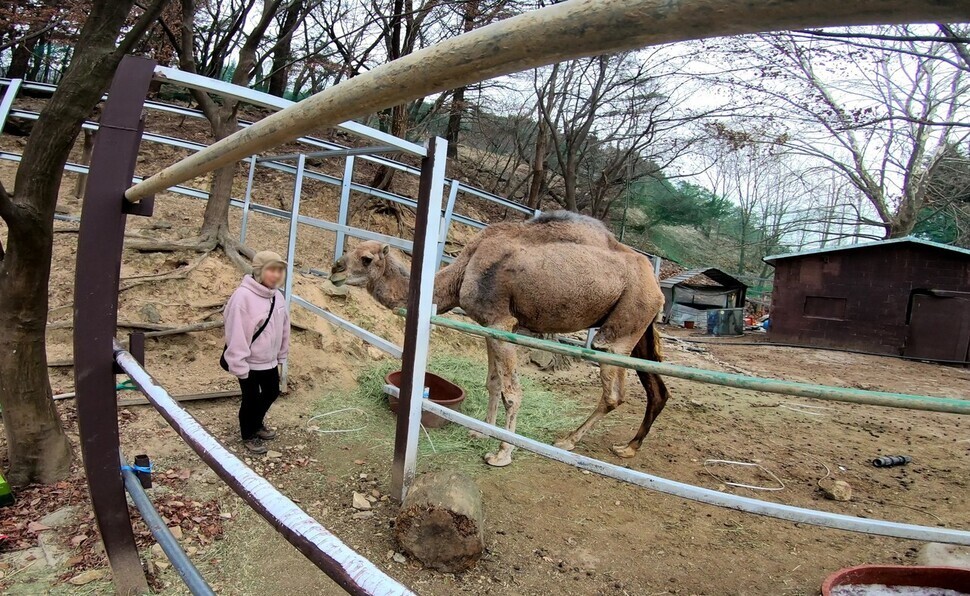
{"x": 250, "y": 283}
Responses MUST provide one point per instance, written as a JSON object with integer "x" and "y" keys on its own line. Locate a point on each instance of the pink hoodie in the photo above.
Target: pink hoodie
{"x": 245, "y": 312}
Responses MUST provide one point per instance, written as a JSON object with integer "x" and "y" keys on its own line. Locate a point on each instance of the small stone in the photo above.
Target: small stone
{"x": 86, "y": 577}
{"x": 360, "y": 502}
{"x": 225, "y": 515}
{"x": 176, "y": 531}
{"x": 390, "y": 554}
{"x": 372, "y": 498}
{"x": 151, "y": 314}
{"x": 335, "y": 291}
{"x": 163, "y": 564}
{"x": 363, "y": 476}
{"x": 273, "y": 454}
{"x": 191, "y": 551}
{"x": 157, "y": 550}
{"x": 399, "y": 558}
{"x": 836, "y": 490}
{"x": 363, "y": 515}
{"x": 375, "y": 493}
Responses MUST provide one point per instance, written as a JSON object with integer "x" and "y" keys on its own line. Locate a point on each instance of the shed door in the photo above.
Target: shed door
{"x": 939, "y": 328}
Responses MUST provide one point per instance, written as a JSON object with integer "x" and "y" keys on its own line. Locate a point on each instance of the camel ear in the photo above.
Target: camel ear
{"x": 385, "y": 249}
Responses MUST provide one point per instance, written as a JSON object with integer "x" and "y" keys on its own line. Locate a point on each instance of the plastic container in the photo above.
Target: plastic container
{"x": 950, "y": 578}
{"x": 725, "y": 321}
{"x": 441, "y": 391}
{"x": 6, "y": 495}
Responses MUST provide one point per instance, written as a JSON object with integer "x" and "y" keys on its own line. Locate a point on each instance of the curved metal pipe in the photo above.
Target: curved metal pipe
{"x": 560, "y": 32}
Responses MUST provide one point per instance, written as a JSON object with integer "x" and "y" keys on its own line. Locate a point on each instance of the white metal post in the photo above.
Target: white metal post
{"x": 291, "y": 245}
{"x": 446, "y": 222}
{"x": 249, "y": 197}
{"x": 417, "y": 333}
{"x": 13, "y": 87}
{"x": 345, "y": 184}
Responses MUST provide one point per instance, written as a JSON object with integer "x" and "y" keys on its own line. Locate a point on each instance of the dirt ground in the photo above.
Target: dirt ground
{"x": 549, "y": 528}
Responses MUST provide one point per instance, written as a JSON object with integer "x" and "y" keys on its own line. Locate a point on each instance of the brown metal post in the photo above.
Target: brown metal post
{"x": 417, "y": 327}
{"x": 97, "y": 273}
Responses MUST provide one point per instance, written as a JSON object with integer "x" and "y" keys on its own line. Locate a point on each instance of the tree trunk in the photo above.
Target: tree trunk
{"x": 282, "y": 54}
{"x": 538, "y": 166}
{"x": 569, "y": 185}
{"x": 22, "y": 53}
{"x": 440, "y": 522}
{"x": 215, "y": 222}
{"x": 38, "y": 449}
{"x": 454, "y": 121}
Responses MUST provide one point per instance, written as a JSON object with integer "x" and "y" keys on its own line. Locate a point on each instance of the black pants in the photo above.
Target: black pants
{"x": 259, "y": 391}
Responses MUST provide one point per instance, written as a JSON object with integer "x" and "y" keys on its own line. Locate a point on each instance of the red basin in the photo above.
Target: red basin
{"x": 441, "y": 391}
{"x": 951, "y": 578}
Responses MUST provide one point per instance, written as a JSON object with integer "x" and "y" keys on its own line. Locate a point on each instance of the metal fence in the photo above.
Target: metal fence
{"x": 569, "y": 30}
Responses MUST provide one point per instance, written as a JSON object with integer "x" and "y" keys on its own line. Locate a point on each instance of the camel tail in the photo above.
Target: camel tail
{"x": 649, "y": 348}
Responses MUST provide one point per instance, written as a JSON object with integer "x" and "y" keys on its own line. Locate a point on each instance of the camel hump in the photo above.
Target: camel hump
{"x": 554, "y": 217}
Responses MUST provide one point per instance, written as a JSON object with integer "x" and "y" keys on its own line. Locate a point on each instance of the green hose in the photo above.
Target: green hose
{"x": 810, "y": 390}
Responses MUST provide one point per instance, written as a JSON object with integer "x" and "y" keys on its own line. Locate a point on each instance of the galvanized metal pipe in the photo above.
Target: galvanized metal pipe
{"x": 349, "y": 570}
{"x": 170, "y": 546}
{"x": 810, "y": 390}
{"x": 330, "y": 153}
{"x": 552, "y": 34}
{"x": 705, "y": 495}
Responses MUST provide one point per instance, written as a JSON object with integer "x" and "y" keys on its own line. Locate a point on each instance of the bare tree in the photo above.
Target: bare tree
{"x": 37, "y": 447}
{"x": 880, "y": 118}
{"x": 222, "y": 116}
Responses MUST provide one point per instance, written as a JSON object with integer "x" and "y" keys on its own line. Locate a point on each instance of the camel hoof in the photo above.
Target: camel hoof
{"x": 564, "y": 444}
{"x": 474, "y": 434}
{"x": 624, "y": 451}
{"x": 498, "y": 460}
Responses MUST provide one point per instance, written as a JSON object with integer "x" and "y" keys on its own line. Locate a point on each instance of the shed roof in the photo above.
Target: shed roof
{"x": 907, "y": 239}
{"x": 713, "y": 273}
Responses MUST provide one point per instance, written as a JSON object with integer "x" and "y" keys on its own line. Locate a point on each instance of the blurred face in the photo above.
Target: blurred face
{"x": 272, "y": 276}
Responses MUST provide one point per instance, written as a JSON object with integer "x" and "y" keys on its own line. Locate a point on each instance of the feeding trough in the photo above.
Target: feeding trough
{"x": 876, "y": 580}
{"x": 441, "y": 391}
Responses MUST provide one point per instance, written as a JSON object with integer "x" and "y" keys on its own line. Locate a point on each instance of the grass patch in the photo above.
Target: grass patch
{"x": 544, "y": 415}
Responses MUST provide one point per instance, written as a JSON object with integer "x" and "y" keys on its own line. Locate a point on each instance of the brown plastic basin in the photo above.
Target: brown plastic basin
{"x": 950, "y": 578}
{"x": 441, "y": 391}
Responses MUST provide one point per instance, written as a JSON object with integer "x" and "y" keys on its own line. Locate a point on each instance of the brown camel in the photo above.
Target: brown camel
{"x": 556, "y": 273}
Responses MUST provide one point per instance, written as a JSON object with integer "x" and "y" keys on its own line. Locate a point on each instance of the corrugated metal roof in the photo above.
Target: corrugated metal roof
{"x": 771, "y": 259}
{"x": 713, "y": 273}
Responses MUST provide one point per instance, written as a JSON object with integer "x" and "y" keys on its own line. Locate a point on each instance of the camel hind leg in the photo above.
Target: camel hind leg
{"x": 648, "y": 348}
{"x": 617, "y": 340}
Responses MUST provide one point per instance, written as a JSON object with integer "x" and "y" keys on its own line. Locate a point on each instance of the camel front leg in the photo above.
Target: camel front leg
{"x": 614, "y": 382}
{"x": 494, "y": 385}
{"x": 506, "y": 386}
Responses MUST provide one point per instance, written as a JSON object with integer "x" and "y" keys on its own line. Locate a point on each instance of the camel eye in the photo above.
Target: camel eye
{"x": 366, "y": 261}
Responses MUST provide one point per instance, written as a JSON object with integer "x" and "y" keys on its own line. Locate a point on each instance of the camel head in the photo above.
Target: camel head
{"x": 371, "y": 265}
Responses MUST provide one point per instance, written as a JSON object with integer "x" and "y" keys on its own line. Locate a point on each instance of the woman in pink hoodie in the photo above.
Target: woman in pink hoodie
{"x": 257, "y": 308}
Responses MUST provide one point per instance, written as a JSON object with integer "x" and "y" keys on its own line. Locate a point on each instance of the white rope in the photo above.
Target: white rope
{"x": 781, "y": 485}
{"x": 338, "y": 430}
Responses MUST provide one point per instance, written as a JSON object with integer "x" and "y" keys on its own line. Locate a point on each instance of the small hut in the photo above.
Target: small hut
{"x": 690, "y": 294}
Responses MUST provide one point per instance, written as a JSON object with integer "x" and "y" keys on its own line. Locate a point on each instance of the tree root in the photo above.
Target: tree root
{"x": 180, "y": 273}
{"x": 237, "y": 253}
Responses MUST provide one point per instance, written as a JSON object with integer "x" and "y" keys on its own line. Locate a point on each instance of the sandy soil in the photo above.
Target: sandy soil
{"x": 549, "y": 529}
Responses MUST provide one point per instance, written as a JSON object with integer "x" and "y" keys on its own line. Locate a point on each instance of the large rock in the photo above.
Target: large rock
{"x": 440, "y": 523}
{"x": 935, "y": 554}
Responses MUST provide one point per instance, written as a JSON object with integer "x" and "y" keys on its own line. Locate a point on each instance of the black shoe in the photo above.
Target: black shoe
{"x": 255, "y": 445}
{"x": 266, "y": 434}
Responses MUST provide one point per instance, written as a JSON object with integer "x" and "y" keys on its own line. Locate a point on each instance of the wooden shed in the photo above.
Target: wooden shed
{"x": 904, "y": 297}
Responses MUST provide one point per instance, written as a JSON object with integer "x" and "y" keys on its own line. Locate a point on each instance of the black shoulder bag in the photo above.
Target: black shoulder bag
{"x": 272, "y": 307}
